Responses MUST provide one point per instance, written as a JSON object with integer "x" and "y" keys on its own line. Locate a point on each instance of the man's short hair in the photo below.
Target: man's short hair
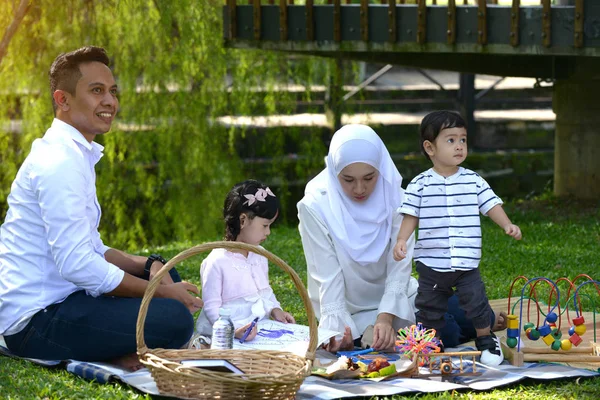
{"x": 64, "y": 71}
{"x": 435, "y": 122}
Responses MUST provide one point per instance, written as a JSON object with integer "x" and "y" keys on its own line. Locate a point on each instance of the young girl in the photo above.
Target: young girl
{"x": 237, "y": 279}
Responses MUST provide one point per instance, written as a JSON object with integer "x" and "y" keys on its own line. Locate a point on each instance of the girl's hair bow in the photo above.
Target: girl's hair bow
{"x": 260, "y": 195}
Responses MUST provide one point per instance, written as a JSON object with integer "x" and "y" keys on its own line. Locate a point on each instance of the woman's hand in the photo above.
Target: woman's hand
{"x": 384, "y": 336}
{"x": 279, "y": 315}
{"x": 347, "y": 343}
{"x": 239, "y": 332}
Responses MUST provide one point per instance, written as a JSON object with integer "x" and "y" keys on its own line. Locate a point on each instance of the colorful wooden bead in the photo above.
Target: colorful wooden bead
{"x": 566, "y": 344}
{"x": 575, "y": 339}
{"x": 528, "y": 326}
{"x": 551, "y": 317}
{"x": 580, "y": 329}
{"x": 571, "y": 330}
{"x": 548, "y": 339}
{"x": 556, "y": 333}
{"x": 578, "y": 321}
{"x": 512, "y": 323}
{"x": 552, "y": 325}
{"x": 555, "y": 345}
{"x": 511, "y": 342}
{"x": 512, "y": 333}
{"x": 545, "y": 330}
{"x": 532, "y": 334}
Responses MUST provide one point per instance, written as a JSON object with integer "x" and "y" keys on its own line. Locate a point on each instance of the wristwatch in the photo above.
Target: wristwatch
{"x": 150, "y": 261}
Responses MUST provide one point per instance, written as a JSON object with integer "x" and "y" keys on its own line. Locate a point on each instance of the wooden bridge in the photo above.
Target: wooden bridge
{"x": 557, "y": 42}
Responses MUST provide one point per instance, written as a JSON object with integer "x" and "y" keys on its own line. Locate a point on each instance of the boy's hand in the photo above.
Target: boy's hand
{"x": 400, "y": 250}
{"x": 513, "y": 230}
{"x": 279, "y": 315}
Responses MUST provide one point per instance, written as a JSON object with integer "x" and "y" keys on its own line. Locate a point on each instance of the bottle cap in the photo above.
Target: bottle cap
{"x": 225, "y": 312}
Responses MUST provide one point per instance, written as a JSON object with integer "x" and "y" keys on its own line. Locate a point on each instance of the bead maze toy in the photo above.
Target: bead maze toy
{"x": 558, "y": 348}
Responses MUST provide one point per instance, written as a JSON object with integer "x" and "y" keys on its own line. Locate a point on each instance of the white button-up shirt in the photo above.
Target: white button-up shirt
{"x": 448, "y": 211}
{"x": 50, "y": 246}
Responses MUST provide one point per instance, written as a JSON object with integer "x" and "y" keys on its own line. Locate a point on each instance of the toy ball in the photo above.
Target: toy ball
{"x": 556, "y": 345}
{"x": 571, "y": 331}
{"x": 551, "y": 317}
{"x": 580, "y": 329}
{"x": 532, "y": 334}
{"x": 566, "y": 344}
{"x": 556, "y": 334}
{"x": 511, "y": 342}
{"x": 528, "y": 325}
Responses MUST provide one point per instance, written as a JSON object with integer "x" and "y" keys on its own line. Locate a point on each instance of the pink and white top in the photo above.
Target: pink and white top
{"x": 241, "y": 284}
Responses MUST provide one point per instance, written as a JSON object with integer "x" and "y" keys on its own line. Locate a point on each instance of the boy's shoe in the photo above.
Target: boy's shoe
{"x": 491, "y": 351}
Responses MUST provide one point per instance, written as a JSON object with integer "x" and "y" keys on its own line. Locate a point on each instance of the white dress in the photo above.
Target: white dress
{"x": 346, "y": 293}
{"x": 238, "y": 283}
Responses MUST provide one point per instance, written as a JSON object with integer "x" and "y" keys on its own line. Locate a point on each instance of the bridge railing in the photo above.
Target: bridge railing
{"x": 394, "y": 22}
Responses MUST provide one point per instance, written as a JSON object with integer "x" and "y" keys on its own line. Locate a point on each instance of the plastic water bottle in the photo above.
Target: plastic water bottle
{"x": 223, "y": 331}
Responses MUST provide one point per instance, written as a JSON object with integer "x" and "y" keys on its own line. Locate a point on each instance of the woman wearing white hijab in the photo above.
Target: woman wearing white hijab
{"x": 347, "y": 218}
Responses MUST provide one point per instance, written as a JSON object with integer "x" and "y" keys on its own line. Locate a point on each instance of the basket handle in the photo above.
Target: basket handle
{"x": 153, "y": 285}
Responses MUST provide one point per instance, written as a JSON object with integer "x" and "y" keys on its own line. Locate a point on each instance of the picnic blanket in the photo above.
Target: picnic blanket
{"x": 319, "y": 388}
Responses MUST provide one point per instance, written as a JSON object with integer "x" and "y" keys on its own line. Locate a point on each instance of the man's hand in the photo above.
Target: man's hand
{"x": 400, "y": 250}
{"x": 513, "y": 230}
{"x": 347, "y": 343}
{"x": 279, "y": 315}
{"x": 156, "y": 266}
{"x": 384, "y": 335}
{"x": 181, "y": 291}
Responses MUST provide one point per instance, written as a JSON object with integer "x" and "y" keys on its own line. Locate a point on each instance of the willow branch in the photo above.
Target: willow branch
{"x": 12, "y": 28}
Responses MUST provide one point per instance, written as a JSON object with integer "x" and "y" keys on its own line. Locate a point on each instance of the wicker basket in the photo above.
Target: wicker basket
{"x": 268, "y": 374}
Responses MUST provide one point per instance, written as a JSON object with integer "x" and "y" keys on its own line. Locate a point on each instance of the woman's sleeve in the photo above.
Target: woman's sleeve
{"x": 212, "y": 287}
{"x": 326, "y": 272}
{"x": 400, "y": 286}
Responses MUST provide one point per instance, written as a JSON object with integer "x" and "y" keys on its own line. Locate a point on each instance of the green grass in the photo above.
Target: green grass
{"x": 560, "y": 238}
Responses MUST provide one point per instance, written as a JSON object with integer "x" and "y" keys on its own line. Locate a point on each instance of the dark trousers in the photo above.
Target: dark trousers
{"x": 89, "y": 328}
{"x": 436, "y": 289}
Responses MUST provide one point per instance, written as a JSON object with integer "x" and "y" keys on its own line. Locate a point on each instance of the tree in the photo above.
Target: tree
{"x": 168, "y": 161}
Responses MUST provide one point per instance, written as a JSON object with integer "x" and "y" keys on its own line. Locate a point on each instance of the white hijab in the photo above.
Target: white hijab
{"x": 363, "y": 229}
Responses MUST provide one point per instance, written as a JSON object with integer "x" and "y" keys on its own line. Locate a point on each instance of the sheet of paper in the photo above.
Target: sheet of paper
{"x": 274, "y": 335}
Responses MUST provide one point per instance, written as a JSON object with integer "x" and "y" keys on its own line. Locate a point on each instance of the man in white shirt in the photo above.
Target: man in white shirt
{"x": 63, "y": 293}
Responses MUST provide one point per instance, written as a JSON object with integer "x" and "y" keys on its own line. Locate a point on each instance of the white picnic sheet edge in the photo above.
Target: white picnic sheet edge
{"x": 315, "y": 387}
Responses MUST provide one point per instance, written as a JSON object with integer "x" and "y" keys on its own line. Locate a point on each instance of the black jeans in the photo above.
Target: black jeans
{"x": 436, "y": 289}
{"x": 89, "y": 328}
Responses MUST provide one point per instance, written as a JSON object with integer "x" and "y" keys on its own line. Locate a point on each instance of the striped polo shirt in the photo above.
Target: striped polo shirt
{"x": 448, "y": 210}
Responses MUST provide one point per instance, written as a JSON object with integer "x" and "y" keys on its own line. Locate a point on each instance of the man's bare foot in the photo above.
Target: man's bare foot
{"x": 501, "y": 321}
{"x": 130, "y": 362}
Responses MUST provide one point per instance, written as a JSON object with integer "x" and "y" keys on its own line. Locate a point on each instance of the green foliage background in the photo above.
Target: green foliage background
{"x": 168, "y": 164}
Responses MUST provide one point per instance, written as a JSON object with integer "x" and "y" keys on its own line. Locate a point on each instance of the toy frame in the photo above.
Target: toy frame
{"x": 518, "y": 355}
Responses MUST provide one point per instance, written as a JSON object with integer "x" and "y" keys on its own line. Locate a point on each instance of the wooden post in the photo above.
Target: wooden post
{"x": 514, "y": 23}
{"x": 466, "y": 98}
{"x": 333, "y": 96}
{"x": 392, "y": 21}
{"x": 546, "y": 23}
{"x": 451, "y": 22}
{"x": 422, "y": 22}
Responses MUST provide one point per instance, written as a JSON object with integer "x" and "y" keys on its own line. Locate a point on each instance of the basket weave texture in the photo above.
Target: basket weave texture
{"x": 268, "y": 374}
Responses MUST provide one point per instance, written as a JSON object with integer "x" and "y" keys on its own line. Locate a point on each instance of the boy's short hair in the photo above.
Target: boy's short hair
{"x": 64, "y": 72}
{"x": 435, "y": 122}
